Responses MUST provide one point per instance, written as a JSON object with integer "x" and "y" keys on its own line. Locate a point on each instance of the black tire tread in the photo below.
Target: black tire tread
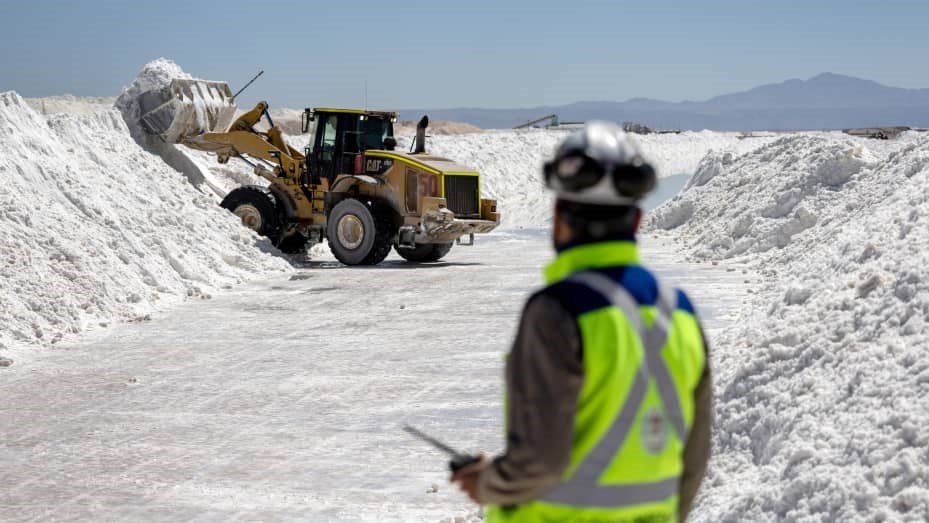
{"x": 384, "y": 232}
{"x": 264, "y": 202}
{"x": 384, "y": 235}
{"x": 424, "y": 252}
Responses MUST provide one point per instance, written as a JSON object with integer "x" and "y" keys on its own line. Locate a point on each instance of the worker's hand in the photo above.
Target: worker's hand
{"x": 466, "y": 478}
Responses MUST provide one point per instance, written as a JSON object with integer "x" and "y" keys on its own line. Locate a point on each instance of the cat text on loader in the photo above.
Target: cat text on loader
{"x": 349, "y": 185}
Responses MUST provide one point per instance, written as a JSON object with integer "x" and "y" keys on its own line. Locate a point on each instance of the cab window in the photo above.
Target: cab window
{"x": 327, "y": 146}
{"x": 373, "y": 132}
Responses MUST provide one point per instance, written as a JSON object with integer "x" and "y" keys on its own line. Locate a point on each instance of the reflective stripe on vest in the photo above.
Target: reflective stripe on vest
{"x": 582, "y": 489}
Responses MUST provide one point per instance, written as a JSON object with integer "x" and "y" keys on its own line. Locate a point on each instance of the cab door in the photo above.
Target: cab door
{"x": 325, "y": 147}
{"x": 335, "y": 145}
{"x": 350, "y": 146}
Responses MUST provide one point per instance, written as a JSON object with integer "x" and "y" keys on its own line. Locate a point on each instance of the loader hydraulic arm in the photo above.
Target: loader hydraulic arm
{"x": 242, "y": 139}
{"x": 249, "y": 119}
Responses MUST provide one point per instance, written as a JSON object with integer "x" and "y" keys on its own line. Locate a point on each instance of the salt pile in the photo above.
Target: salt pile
{"x": 681, "y": 153}
{"x": 155, "y": 75}
{"x": 200, "y": 168}
{"x": 510, "y": 163}
{"x": 821, "y": 411}
{"x": 97, "y": 230}
{"x": 70, "y": 104}
{"x": 768, "y": 197}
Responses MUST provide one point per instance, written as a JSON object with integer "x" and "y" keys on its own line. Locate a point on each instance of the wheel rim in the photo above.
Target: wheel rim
{"x": 351, "y": 231}
{"x": 250, "y": 216}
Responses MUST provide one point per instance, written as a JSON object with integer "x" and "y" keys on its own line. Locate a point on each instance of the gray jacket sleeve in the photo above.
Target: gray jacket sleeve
{"x": 544, "y": 375}
{"x": 697, "y": 448}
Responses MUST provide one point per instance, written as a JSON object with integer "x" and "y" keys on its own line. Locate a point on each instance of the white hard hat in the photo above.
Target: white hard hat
{"x": 599, "y": 165}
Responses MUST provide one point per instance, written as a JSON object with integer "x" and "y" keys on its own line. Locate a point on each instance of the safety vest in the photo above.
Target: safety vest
{"x": 643, "y": 357}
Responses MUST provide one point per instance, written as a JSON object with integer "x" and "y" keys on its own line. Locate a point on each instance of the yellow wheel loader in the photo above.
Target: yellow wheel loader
{"x": 349, "y": 185}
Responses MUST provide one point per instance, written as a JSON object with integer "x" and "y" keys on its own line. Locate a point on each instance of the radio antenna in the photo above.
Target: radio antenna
{"x": 248, "y": 84}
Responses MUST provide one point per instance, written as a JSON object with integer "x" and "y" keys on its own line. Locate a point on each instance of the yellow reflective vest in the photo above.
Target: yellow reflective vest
{"x": 643, "y": 357}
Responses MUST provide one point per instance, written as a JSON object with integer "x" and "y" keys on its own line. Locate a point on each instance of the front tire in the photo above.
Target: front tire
{"x": 257, "y": 209}
{"x": 359, "y": 233}
{"x": 424, "y": 252}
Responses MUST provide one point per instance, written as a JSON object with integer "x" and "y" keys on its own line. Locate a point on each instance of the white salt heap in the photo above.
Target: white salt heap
{"x": 777, "y": 192}
{"x": 155, "y": 75}
{"x": 200, "y": 168}
{"x": 510, "y": 163}
{"x": 96, "y": 230}
{"x": 822, "y": 385}
{"x": 70, "y": 104}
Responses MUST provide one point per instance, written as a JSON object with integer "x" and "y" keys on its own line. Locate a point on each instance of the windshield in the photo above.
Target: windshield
{"x": 374, "y": 130}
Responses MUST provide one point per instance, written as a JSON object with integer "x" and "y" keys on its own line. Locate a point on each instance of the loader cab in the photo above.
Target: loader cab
{"x": 341, "y": 136}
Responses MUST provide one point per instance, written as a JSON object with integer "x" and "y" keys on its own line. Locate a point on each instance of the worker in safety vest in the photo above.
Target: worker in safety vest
{"x": 608, "y": 392}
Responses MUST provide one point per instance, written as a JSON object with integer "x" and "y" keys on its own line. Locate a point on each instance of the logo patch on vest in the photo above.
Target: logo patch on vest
{"x": 654, "y": 431}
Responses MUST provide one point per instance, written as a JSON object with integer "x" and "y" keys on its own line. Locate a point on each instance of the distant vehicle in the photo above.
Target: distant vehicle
{"x": 637, "y": 128}
{"x": 880, "y": 133}
{"x": 552, "y": 120}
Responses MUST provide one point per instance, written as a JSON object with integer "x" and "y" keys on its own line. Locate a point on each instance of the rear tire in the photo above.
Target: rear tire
{"x": 424, "y": 252}
{"x": 257, "y": 209}
{"x": 359, "y": 233}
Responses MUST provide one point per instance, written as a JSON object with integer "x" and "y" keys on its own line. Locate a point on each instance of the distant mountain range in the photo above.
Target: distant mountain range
{"x": 826, "y": 101}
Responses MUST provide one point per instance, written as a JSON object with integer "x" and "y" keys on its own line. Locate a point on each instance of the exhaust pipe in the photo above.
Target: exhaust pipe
{"x": 421, "y": 135}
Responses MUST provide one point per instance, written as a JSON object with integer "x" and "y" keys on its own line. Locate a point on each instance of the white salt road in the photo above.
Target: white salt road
{"x": 283, "y": 399}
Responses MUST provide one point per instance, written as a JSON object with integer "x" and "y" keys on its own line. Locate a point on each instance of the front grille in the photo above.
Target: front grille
{"x": 462, "y": 196}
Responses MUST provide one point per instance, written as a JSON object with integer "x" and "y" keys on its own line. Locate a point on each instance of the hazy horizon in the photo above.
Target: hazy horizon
{"x": 420, "y": 54}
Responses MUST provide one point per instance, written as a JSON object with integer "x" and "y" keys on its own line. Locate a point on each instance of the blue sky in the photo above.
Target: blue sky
{"x": 474, "y": 53}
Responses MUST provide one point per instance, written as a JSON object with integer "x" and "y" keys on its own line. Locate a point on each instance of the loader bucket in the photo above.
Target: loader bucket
{"x": 186, "y": 108}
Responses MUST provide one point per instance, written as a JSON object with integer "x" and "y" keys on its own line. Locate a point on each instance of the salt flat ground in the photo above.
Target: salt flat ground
{"x": 283, "y": 399}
